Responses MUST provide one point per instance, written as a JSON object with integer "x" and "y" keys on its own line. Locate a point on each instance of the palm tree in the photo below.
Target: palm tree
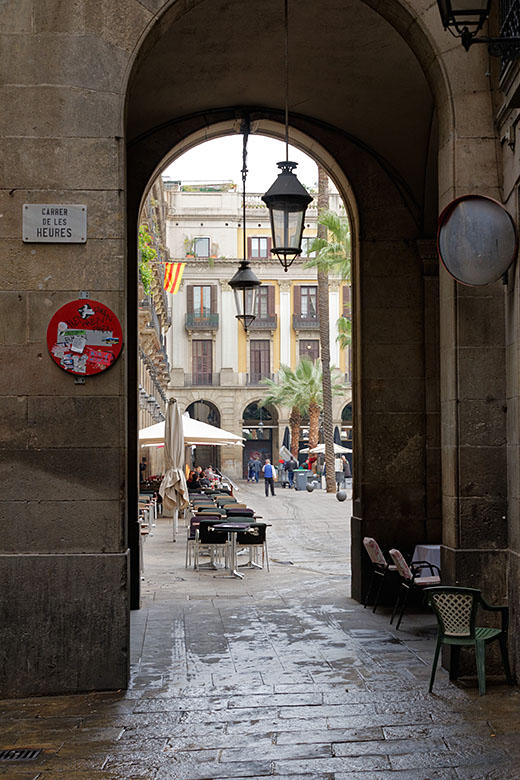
{"x": 302, "y": 391}
{"x": 344, "y": 337}
{"x": 332, "y": 247}
{"x": 284, "y": 392}
{"x": 333, "y": 252}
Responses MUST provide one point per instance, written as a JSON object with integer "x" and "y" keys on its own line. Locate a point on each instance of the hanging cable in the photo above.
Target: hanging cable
{"x": 286, "y": 43}
{"x": 245, "y": 129}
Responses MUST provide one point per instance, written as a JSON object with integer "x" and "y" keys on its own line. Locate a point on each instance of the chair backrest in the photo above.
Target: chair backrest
{"x": 455, "y": 609}
{"x": 401, "y": 565}
{"x": 374, "y": 551}
{"x": 255, "y": 534}
{"x": 242, "y": 511}
{"x": 209, "y": 535}
{"x": 214, "y": 510}
{"x": 194, "y": 524}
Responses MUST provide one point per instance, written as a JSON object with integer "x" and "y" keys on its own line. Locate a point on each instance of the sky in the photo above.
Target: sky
{"x": 221, "y": 159}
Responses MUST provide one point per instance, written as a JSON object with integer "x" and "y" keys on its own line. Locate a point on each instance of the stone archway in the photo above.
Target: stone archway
{"x": 207, "y": 412}
{"x": 377, "y": 173}
{"x": 129, "y": 89}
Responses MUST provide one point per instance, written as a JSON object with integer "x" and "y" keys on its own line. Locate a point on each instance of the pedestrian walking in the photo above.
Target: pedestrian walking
{"x": 346, "y": 467}
{"x": 257, "y": 468}
{"x": 251, "y": 469}
{"x": 269, "y": 476}
{"x": 290, "y": 466}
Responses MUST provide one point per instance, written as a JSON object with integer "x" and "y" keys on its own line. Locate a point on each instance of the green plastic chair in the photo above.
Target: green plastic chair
{"x": 456, "y": 612}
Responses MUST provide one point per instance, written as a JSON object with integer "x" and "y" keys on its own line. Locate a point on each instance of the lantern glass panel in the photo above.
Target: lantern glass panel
{"x": 287, "y": 229}
{"x": 245, "y": 301}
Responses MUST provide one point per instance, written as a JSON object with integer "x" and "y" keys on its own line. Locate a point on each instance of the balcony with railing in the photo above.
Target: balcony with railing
{"x": 256, "y": 378}
{"x": 149, "y": 318}
{"x": 509, "y": 28}
{"x": 198, "y": 321}
{"x": 306, "y": 322}
{"x": 201, "y": 380}
{"x": 269, "y": 322}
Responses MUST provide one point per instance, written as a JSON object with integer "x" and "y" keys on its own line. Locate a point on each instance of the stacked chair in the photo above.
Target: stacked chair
{"x": 212, "y": 507}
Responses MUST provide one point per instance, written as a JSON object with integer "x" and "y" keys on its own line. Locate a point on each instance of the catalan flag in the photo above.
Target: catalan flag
{"x": 173, "y": 276}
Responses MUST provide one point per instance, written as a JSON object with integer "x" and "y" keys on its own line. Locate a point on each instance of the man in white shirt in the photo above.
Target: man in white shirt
{"x": 269, "y": 474}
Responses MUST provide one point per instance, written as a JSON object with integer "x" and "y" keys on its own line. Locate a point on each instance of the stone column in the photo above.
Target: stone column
{"x": 285, "y": 323}
{"x": 228, "y": 328}
{"x": 473, "y": 435}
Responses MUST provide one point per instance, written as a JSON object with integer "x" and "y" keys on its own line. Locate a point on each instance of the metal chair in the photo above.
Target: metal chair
{"x": 214, "y": 540}
{"x": 410, "y": 580}
{"x": 381, "y": 568}
{"x": 456, "y": 612}
{"x": 253, "y": 538}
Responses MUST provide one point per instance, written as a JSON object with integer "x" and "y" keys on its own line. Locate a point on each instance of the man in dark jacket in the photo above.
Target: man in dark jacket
{"x": 290, "y": 465}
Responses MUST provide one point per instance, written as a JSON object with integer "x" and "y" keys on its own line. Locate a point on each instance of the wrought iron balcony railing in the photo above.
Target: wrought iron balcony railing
{"x": 197, "y": 321}
{"x": 201, "y": 380}
{"x": 256, "y": 378}
{"x": 305, "y": 322}
{"x": 265, "y": 323}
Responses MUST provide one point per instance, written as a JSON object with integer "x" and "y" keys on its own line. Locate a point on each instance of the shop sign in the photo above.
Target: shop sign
{"x": 56, "y": 223}
{"x": 84, "y": 337}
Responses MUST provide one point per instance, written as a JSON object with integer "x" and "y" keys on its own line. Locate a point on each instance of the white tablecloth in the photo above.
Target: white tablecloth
{"x": 430, "y": 553}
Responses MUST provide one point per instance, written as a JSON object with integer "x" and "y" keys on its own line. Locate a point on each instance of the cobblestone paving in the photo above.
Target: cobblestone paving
{"x": 279, "y": 675}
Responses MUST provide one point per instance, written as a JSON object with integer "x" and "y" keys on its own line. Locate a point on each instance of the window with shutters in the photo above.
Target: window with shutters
{"x": 259, "y": 247}
{"x": 201, "y": 306}
{"x": 265, "y": 314}
{"x": 309, "y": 348}
{"x": 202, "y": 361}
{"x": 347, "y": 297}
{"x": 201, "y": 246}
{"x": 306, "y": 244}
{"x": 202, "y": 300}
{"x": 259, "y": 359}
{"x": 308, "y": 302}
{"x": 262, "y": 302}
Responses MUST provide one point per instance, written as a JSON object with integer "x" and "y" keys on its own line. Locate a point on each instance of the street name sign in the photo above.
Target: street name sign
{"x": 54, "y": 223}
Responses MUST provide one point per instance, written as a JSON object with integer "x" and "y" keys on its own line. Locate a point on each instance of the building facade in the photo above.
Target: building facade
{"x": 154, "y": 323}
{"x": 404, "y": 120}
{"x": 213, "y": 359}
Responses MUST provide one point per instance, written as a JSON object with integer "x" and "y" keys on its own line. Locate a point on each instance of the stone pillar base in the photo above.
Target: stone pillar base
{"x": 64, "y": 621}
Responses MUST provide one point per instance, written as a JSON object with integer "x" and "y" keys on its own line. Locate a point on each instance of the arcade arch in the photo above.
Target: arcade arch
{"x": 386, "y": 173}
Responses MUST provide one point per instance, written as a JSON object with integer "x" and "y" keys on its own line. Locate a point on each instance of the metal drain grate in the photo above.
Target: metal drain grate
{"x": 20, "y": 754}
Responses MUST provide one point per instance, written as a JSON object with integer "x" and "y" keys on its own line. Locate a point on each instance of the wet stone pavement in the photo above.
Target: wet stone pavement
{"x": 278, "y": 675}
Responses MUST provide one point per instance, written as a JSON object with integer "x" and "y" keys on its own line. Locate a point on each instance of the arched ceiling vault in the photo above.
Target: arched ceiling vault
{"x": 349, "y": 68}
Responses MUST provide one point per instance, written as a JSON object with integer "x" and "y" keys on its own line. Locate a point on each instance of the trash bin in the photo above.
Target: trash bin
{"x": 300, "y": 478}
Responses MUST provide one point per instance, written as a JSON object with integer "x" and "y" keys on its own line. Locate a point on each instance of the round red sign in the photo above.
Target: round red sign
{"x": 84, "y": 337}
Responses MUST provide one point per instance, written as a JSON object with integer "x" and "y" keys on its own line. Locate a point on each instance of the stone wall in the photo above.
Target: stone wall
{"x": 94, "y": 103}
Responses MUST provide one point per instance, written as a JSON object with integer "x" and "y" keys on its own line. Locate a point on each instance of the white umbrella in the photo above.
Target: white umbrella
{"x": 174, "y": 490}
{"x": 320, "y": 449}
{"x": 194, "y": 432}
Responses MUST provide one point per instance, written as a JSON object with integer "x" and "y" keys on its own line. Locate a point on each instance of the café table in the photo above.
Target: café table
{"x": 430, "y": 553}
{"x": 232, "y": 530}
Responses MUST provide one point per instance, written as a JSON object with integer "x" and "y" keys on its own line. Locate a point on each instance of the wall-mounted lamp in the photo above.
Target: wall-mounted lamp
{"x": 465, "y": 19}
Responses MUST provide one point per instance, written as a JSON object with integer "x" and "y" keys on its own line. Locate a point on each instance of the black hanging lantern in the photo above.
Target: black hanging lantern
{"x": 287, "y": 201}
{"x": 244, "y": 282}
{"x": 244, "y": 285}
